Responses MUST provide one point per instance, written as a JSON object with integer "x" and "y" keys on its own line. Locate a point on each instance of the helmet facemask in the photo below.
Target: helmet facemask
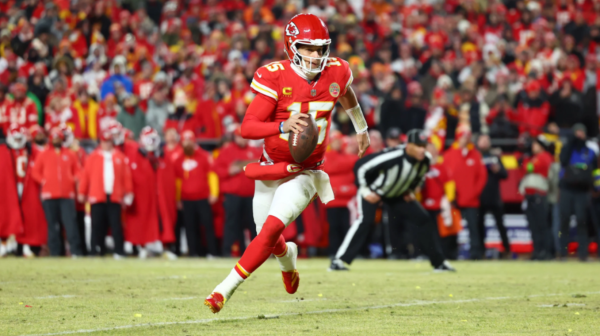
{"x": 300, "y": 60}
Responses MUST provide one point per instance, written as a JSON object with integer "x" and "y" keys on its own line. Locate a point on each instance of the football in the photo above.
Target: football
{"x": 304, "y": 143}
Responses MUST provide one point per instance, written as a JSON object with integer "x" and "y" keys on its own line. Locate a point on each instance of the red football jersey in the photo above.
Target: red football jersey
{"x": 22, "y": 112}
{"x": 4, "y": 116}
{"x": 20, "y": 159}
{"x": 293, "y": 95}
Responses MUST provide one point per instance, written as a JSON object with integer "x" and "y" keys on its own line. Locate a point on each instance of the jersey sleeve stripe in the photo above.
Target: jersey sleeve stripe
{"x": 350, "y": 80}
{"x": 264, "y": 89}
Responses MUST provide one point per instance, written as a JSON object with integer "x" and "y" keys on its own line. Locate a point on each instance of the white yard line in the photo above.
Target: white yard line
{"x": 54, "y": 297}
{"x": 180, "y": 298}
{"x": 314, "y": 312}
{"x": 560, "y": 306}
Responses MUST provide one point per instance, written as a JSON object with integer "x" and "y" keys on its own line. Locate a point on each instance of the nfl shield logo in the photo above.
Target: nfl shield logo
{"x": 313, "y": 92}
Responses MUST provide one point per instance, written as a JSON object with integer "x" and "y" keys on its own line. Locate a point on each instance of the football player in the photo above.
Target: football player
{"x": 307, "y": 85}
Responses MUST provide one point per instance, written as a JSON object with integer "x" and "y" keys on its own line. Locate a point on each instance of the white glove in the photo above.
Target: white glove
{"x": 446, "y": 211}
{"x": 128, "y": 199}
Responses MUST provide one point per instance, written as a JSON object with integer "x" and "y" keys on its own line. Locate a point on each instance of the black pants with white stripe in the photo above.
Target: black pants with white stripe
{"x": 411, "y": 212}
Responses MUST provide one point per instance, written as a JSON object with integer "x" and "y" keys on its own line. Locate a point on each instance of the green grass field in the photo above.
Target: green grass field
{"x": 157, "y": 297}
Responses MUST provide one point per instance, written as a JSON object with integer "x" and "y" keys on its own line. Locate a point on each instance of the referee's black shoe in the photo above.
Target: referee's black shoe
{"x": 444, "y": 267}
{"x": 337, "y": 265}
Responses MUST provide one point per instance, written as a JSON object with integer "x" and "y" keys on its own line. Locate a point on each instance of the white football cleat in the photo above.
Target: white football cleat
{"x": 142, "y": 253}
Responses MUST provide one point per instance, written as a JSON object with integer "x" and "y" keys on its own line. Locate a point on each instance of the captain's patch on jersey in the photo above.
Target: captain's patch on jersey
{"x": 334, "y": 89}
{"x": 291, "y": 29}
{"x": 287, "y": 91}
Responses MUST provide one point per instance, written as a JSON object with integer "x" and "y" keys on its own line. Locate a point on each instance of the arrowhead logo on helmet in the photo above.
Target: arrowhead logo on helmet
{"x": 291, "y": 29}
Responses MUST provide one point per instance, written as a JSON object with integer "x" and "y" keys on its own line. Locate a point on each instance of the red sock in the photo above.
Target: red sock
{"x": 280, "y": 248}
{"x": 261, "y": 247}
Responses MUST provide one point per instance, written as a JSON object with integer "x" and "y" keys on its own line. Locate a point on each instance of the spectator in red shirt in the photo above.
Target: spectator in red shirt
{"x": 143, "y": 87}
{"x": 193, "y": 170}
{"x": 535, "y": 188}
{"x": 4, "y": 116}
{"x": 21, "y": 110}
{"x": 339, "y": 165}
{"x": 56, "y": 169}
{"x": 532, "y": 109}
{"x": 466, "y": 168}
{"x": 238, "y": 190}
{"x": 437, "y": 193}
{"x": 107, "y": 113}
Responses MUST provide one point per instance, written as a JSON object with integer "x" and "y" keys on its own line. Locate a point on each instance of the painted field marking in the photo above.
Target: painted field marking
{"x": 315, "y": 312}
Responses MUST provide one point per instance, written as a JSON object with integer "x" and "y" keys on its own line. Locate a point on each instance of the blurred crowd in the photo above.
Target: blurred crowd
{"x": 147, "y": 81}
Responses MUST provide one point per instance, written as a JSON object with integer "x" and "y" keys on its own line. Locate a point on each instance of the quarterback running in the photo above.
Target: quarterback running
{"x": 307, "y": 85}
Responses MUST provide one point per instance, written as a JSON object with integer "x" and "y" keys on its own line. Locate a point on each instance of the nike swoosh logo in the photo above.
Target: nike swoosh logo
{"x": 259, "y": 75}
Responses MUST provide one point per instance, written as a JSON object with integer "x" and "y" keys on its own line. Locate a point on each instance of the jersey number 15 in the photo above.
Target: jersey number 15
{"x": 313, "y": 109}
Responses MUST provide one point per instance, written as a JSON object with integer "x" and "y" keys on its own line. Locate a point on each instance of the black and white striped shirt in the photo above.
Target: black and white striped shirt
{"x": 390, "y": 173}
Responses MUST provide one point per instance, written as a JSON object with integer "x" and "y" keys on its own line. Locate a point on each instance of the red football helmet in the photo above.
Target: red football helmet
{"x": 16, "y": 137}
{"x": 149, "y": 139}
{"x": 310, "y": 30}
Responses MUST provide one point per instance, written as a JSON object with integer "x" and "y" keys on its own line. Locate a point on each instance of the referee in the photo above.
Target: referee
{"x": 391, "y": 176}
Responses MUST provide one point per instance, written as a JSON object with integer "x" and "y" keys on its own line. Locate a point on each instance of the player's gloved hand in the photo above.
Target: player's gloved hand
{"x": 292, "y": 123}
{"x": 363, "y": 143}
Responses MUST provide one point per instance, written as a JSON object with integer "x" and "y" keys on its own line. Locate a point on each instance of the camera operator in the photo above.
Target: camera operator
{"x": 578, "y": 161}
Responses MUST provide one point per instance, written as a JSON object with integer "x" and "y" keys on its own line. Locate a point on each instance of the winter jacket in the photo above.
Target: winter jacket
{"x": 193, "y": 171}
{"x": 92, "y": 178}
{"x": 237, "y": 184}
{"x": 132, "y": 121}
{"x": 156, "y": 115}
{"x": 567, "y": 110}
{"x": 491, "y": 192}
{"x": 536, "y": 171}
{"x": 56, "y": 171}
{"x": 340, "y": 168}
{"x": 466, "y": 168}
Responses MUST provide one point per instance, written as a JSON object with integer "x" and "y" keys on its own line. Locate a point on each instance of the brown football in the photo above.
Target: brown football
{"x": 304, "y": 143}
